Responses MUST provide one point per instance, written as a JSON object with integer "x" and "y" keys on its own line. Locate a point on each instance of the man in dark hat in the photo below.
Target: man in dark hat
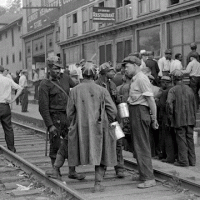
{"x": 90, "y": 111}
{"x": 182, "y": 115}
{"x": 53, "y": 97}
{"x": 141, "y": 102}
{"x": 193, "y": 47}
{"x": 164, "y": 63}
{"x": 193, "y": 69}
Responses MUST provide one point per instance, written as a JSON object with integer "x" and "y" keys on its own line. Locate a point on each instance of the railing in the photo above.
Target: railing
{"x": 123, "y": 13}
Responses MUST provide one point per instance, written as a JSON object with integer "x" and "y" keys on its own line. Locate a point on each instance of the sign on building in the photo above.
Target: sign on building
{"x": 103, "y": 14}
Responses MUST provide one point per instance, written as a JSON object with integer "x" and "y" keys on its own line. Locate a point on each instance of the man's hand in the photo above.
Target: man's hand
{"x": 155, "y": 124}
{"x": 53, "y": 132}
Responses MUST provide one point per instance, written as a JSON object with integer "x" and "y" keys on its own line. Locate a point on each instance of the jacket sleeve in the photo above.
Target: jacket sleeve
{"x": 44, "y": 104}
{"x": 110, "y": 107}
{"x": 71, "y": 109}
{"x": 170, "y": 103}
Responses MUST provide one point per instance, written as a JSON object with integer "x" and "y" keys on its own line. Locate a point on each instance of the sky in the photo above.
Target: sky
{"x": 2, "y": 2}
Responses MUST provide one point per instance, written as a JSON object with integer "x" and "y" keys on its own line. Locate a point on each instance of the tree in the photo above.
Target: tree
{"x": 14, "y": 6}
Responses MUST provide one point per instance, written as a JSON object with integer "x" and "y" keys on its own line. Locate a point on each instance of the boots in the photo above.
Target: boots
{"x": 74, "y": 175}
{"x": 56, "y": 164}
{"x": 99, "y": 173}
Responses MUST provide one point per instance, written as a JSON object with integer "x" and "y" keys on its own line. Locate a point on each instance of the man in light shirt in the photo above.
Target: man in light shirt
{"x": 6, "y": 86}
{"x": 193, "y": 69}
{"x": 24, "y": 95}
{"x": 6, "y": 73}
{"x": 176, "y": 64}
{"x": 164, "y": 63}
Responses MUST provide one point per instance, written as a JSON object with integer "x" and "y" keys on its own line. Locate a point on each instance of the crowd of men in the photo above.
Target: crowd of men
{"x": 79, "y": 103}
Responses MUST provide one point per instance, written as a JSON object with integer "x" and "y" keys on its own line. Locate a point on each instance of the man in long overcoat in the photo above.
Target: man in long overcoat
{"x": 91, "y": 139}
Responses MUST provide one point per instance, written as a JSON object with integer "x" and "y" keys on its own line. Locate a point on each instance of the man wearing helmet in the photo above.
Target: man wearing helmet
{"x": 106, "y": 74}
{"x": 193, "y": 47}
{"x": 181, "y": 108}
{"x": 53, "y": 97}
{"x": 90, "y": 110}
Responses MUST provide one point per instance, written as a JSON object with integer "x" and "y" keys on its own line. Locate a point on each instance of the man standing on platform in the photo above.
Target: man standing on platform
{"x": 53, "y": 97}
{"x": 36, "y": 82}
{"x": 164, "y": 63}
{"x": 24, "y": 96}
{"x": 182, "y": 114}
{"x": 193, "y": 47}
{"x": 141, "y": 103}
{"x": 91, "y": 140}
{"x": 6, "y": 85}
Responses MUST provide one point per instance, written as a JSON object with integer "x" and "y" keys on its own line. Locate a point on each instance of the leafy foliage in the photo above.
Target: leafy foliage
{"x": 14, "y": 6}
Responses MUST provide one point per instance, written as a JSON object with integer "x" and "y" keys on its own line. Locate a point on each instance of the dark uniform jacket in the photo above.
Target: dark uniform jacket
{"x": 181, "y": 106}
{"x": 52, "y": 99}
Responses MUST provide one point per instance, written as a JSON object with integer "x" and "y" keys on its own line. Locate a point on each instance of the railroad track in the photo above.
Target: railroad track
{"x": 31, "y": 158}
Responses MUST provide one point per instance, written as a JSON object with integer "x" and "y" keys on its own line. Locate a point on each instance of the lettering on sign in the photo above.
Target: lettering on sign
{"x": 105, "y": 14}
{"x": 38, "y": 24}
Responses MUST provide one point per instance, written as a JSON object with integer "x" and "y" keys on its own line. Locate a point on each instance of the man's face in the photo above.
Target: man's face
{"x": 180, "y": 57}
{"x": 164, "y": 84}
{"x": 55, "y": 72}
{"x": 168, "y": 56}
{"x": 5, "y": 72}
{"x": 130, "y": 69}
{"x": 110, "y": 74}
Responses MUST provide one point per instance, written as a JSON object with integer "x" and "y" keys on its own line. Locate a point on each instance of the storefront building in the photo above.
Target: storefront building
{"x": 140, "y": 24}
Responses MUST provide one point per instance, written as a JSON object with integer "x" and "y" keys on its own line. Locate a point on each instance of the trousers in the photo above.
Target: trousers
{"x": 24, "y": 99}
{"x": 120, "y": 159}
{"x": 195, "y": 85}
{"x": 5, "y": 117}
{"x": 140, "y": 124}
{"x": 186, "y": 150}
{"x": 61, "y": 123}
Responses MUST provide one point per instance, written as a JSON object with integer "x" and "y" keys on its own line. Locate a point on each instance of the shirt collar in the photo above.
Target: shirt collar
{"x": 138, "y": 74}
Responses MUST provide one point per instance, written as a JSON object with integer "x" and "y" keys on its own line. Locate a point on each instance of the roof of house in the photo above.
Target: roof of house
{"x": 8, "y": 18}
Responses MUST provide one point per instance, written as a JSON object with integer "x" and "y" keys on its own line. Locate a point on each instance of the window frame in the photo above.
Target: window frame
{"x": 149, "y": 9}
{"x": 85, "y": 20}
{"x": 69, "y": 25}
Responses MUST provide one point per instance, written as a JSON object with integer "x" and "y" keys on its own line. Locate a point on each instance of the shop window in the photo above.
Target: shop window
{"x": 85, "y": 20}
{"x": 105, "y": 53}
{"x": 1, "y": 61}
{"x": 28, "y": 49}
{"x": 20, "y": 56}
{"x": 149, "y": 40}
{"x": 50, "y": 43}
{"x": 146, "y": 6}
{"x": 124, "y": 10}
{"x": 7, "y": 60}
{"x": 41, "y": 46}
{"x": 36, "y": 47}
{"x": 69, "y": 26}
{"x": 13, "y": 58}
{"x": 123, "y": 49}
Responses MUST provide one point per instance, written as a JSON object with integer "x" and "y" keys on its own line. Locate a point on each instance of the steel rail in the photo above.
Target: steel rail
{"x": 132, "y": 165}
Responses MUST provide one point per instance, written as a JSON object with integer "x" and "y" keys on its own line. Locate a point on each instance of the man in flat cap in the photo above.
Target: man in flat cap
{"x": 193, "y": 47}
{"x": 181, "y": 108}
{"x": 53, "y": 98}
{"x": 193, "y": 69}
{"x": 164, "y": 63}
{"x": 141, "y": 103}
{"x": 90, "y": 111}
{"x": 24, "y": 95}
